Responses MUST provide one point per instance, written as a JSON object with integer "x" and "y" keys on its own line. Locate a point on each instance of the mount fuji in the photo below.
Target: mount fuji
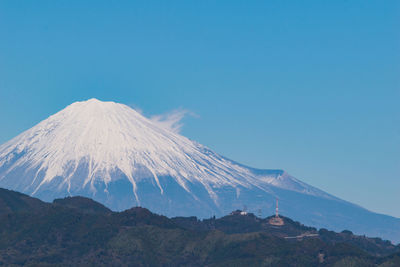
{"x": 111, "y": 153}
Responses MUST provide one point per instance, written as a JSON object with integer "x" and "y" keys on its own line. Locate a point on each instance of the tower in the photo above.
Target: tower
{"x": 277, "y": 221}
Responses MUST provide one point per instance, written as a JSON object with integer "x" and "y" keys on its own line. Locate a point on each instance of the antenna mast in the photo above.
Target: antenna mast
{"x": 277, "y": 221}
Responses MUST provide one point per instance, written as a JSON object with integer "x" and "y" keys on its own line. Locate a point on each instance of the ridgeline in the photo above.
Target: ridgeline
{"x": 78, "y": 231}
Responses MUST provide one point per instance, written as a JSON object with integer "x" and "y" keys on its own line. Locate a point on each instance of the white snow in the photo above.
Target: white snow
{"x": 112, "y": 136}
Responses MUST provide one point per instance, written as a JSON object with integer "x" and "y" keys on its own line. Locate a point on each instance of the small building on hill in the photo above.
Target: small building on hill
{"x": 239, "y": 212}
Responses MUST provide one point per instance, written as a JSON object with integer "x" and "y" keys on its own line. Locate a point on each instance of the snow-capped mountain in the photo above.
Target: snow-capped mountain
{"x": 113, "y": 154}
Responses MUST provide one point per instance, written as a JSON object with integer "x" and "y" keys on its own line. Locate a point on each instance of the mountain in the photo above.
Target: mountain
{"x": 76, "y": 231}
{"x": 16, "y": 202}
{"x": 291, "y": 231}
{"x": 111, "y": 153}
{"x": 82, "y": 204}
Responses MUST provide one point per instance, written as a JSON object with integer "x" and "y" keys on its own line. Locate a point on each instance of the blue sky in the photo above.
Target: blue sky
{"x": 312, "y": 87}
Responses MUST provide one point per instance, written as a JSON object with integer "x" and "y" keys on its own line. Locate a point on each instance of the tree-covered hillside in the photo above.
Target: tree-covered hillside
{"x": 80, "y": 232}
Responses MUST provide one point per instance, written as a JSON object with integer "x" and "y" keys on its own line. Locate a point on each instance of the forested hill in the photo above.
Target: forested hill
{"x": 77, "y": 231}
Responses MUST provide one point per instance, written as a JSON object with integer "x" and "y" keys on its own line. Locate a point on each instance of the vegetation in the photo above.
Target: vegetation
{"x": 81, "y": 232}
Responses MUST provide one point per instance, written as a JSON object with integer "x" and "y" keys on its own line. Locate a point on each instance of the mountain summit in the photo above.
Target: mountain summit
{"x": 115, "y": 155}
{"x": 90, "y": 145}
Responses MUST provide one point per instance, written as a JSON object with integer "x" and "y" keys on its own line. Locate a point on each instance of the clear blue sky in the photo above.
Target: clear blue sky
{"x": 312, "y": 87}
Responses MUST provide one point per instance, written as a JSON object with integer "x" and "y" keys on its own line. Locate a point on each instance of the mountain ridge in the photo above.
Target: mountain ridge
{"x": 111, "y": 153}
{"x": 73, "y": 231}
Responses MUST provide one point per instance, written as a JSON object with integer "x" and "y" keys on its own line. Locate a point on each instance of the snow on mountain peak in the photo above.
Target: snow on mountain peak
{"x": 113, "y": 154}
{"x": 108, "y": 137}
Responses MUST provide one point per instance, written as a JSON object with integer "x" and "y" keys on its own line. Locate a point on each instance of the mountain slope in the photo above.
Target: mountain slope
{"x": 102, "y": 140}
{"x": 68, "y": 235}
{"x": 11, "y": 201}
{"x": 82, "y": 204}
{"x": 111, "y": 153}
